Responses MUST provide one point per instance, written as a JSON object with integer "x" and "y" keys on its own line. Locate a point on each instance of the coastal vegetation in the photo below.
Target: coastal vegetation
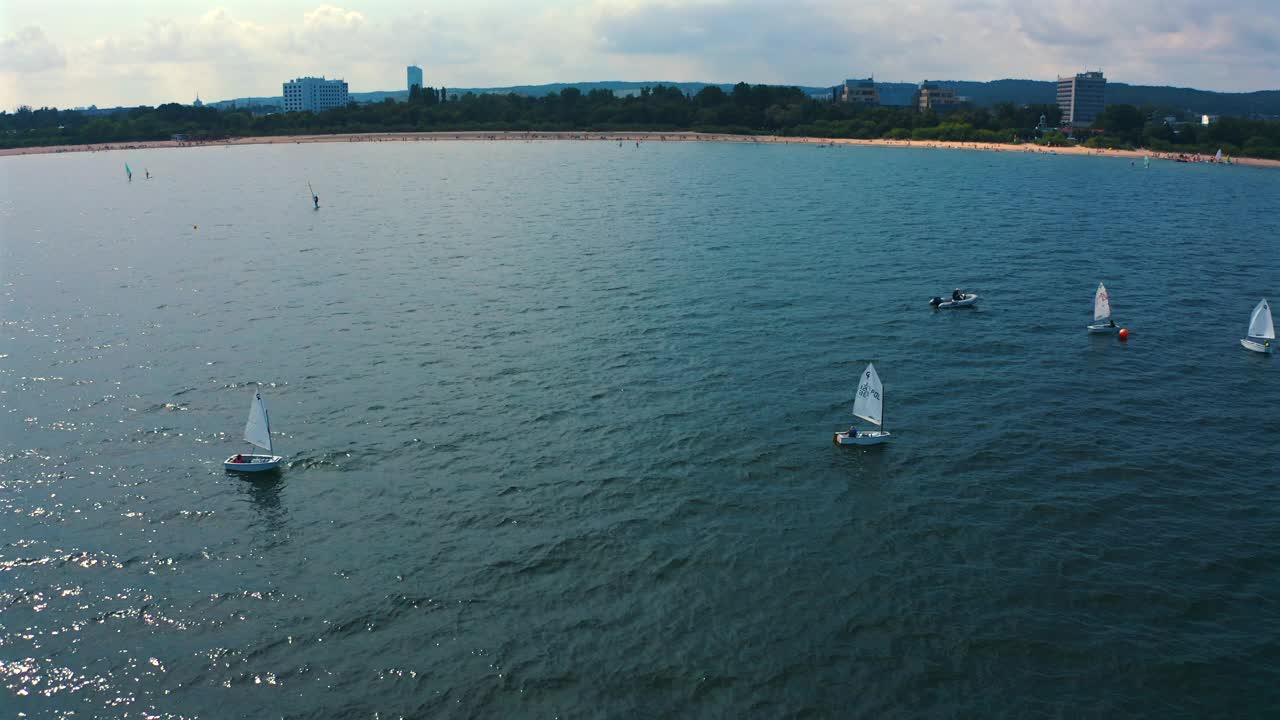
{"x": 745, "y": 109}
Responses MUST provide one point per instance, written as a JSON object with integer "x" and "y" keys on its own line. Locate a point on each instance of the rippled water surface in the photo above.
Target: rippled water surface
{"x": 558, "y": 423}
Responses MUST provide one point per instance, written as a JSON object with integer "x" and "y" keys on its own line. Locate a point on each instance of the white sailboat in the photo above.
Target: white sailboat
{"x": 1102, "y": 322}
{"x": 1218, "y": 156}
{"x": 257, "y": 431}
{"x": 1262, "y": 331}
{"x": 867, "y": 405}
{"x": 1146, "y": 162}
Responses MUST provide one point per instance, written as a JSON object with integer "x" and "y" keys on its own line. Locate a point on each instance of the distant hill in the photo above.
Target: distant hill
{"x": 1265, "y": 103}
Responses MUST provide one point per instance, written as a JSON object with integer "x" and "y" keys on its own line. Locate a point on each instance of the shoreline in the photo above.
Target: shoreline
{"x": 613, "y": 136}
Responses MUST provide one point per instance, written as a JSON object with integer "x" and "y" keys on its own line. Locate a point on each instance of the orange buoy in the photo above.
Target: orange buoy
{"x": 1124, "y": 333}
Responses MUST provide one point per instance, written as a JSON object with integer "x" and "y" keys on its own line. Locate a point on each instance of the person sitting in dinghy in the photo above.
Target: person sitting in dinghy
{"x": 956, "y": 295}
{"x": 853, "y": 431}
{"x": 238, "y": 458}
{"x": 1111, "y": 323}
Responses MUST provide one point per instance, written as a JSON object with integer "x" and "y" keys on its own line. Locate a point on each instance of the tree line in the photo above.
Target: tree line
{"x": 746, "y": 109}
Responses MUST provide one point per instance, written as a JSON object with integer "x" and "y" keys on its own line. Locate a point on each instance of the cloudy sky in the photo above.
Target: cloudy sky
{"x": 127, "y": 52}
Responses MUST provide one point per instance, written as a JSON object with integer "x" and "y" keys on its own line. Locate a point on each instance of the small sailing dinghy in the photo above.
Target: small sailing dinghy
{"x": 257, "y": 431}
{"x": 1262, "y": 331}
{"x": 1102, "y": 322}
{"x": 869, "y": 406}
{"x": 958, "y": 300}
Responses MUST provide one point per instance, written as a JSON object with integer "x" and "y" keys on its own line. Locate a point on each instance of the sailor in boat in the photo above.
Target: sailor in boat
{"x": 1111, "y": 323}
{"x": 956, "y": 295}
{"x": 853, "y": 431}
{"x": 238, "y": 458}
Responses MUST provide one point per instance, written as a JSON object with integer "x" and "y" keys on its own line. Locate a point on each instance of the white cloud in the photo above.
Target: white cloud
{"x": 29, "y": 51}
{"x": 216, "y": 36}
{"x": 328, "y": 18}
{"x": 164, "y": 55}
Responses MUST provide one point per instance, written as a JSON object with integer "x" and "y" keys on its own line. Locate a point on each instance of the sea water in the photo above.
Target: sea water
{"x": 558, "y": 419}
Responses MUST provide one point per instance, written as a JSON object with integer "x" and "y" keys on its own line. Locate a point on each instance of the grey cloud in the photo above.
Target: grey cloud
{"x": 28, "y": 50}
{"x": 817, "y": 41}
{"x": 754, "y": 41}
{"x": 1046, "y": 29}
{"x": 674, "y": 29}
{"x": 658, "y": 29}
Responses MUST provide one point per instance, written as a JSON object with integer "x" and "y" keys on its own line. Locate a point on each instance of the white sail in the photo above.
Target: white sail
{"x": 1260, "y": 324}
{"x": 869, "y": 402}
{"x": 1101, "y": 304}
{"x": 1218, "y": 157}
{"x": 257, "y": 430}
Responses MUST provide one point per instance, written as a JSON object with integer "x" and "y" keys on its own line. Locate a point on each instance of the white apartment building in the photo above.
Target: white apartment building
{"x": 314, "y": 94}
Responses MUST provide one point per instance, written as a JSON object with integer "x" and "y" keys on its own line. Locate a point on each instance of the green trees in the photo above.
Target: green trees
{"x": 1122, "y": 121}
{"x": 745, "y": 109}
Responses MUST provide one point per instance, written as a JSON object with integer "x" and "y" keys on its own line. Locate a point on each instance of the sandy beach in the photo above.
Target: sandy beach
{"x": 619, "y": 137}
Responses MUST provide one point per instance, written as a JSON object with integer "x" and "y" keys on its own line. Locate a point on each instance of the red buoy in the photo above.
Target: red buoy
{"x": 1124, "y": 333}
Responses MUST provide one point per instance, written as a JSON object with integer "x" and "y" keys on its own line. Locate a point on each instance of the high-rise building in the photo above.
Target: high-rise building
{"x": 314, "y": 94}
{"x": 932, "y": 96}
{"x": 1081, "y": 98}
{"x": 857, "y": 91}
{"x": 415, "y": 76}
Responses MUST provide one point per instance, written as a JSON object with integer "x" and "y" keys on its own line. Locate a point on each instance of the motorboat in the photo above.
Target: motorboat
{"x": 957, "y": 300}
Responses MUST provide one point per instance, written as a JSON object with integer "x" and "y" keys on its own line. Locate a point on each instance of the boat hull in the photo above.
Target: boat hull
{"x": 1102, "y": 329}
{"x": 1259, "y": 345}
{"x": 969, "y": 301}
{"x": 874, "y": 437}
{"x": 253, "y": 463}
